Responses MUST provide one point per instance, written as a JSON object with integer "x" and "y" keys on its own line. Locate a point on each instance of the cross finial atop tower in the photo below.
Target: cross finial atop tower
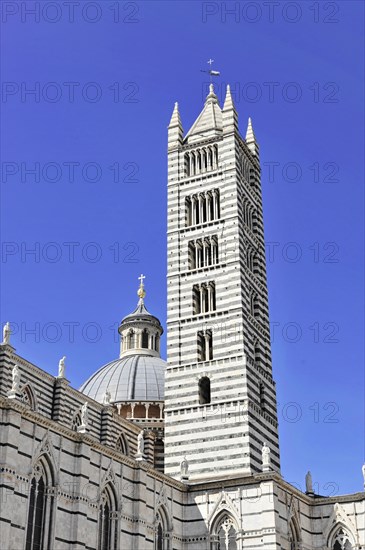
{"x": 211, "y": 72}
{"x": 141, "y": 291}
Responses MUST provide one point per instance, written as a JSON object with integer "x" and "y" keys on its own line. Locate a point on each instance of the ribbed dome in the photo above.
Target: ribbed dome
{"x": 130, "y": 378}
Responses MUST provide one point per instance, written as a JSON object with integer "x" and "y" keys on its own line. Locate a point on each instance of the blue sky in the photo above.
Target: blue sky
{"x": 105, "y": 79}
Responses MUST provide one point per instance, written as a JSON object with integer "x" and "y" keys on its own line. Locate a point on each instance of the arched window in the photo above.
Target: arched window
{"x": 108, "y": 520}
{"x": 159, "y": 544}
{"x": 122, "y": 445}
{"x": 341, "y": 541}
{"x": 193, "y": 164}
{"x": 210, "y": 158}
{"x": 188, "y": 211}
{"x": 76, "y": 421}
{"x": 27, "y": 396}
{"x": 40, "y": 510}
{"x": 144, "y": 338}
{"x": 161, "y": 530}
{"x": 224, "y": 533}
{"x": 204, "y": 390}
{"x": 130, "y": 340}
{"x": 294, "y": 537}
{"x": 215, "y": 160}
{"x": 187, "y": 164}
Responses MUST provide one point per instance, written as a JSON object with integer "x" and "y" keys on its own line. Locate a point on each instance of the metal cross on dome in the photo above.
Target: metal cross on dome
{"x": 141, "y": 277}
{"x": 210, "y": 62}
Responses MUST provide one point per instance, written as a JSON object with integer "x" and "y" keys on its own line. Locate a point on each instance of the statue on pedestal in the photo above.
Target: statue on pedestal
{"x": 6, "y": 333}
{"x": 140, "y": 443}
{"x": 107, "y": 397}
{"x": 16, "y": 379}
{"x": 15, "y": 373}
{"x": 61, "y": 367}
{"x": 184, "y": 468}
{"x": 308, "y": 483}
{"x": 84, "y": 415}
{"x": 265, "y": 458}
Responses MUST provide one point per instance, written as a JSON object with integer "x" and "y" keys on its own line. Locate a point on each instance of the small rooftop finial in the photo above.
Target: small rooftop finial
{"x": 211, "y": 72}
{"x": 141, "y": 291}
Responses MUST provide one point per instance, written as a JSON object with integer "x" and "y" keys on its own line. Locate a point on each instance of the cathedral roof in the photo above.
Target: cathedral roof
{"x": 131, "y": 378}
{"x": 209, "y": 122}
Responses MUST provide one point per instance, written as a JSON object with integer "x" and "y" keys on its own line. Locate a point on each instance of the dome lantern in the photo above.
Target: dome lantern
{"x": 140, "y": 331}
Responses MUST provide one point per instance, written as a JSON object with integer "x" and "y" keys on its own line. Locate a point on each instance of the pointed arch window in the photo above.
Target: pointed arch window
{"x": 159, "y": 545}
{"x": 108, "y": 520}
{"x": 341, "y": 541}
{"x": 40, "y": 508}
{"x": 224, "y": 534}
{"x": 162, "y": 540}
{"x": 76, "y": 421}
{"x": 122, "y": 445}
{"x": 294, "y": 537}
{"x": 27, "y": 396}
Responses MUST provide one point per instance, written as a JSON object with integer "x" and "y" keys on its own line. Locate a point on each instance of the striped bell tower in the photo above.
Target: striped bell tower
{"x": 220, "y": 399}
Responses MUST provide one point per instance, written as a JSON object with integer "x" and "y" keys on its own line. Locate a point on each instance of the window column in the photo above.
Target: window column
{"x": 210, "y": 298}
{"x": 193, "y": 210}
{"x": 201, "y": 217}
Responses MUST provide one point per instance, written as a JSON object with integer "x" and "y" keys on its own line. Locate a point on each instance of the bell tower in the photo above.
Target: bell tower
{"x": 220, "y": 399}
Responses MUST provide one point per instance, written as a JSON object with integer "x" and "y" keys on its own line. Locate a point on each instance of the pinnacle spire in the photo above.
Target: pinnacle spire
{"x": 175, "y": 118}
{"x": 228, "y": 102}
{"x": 251, "y": 139}
{"x": 175, "y": 129}
{"x": 250, "y": 136}
{"x": 230, "y": 117}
